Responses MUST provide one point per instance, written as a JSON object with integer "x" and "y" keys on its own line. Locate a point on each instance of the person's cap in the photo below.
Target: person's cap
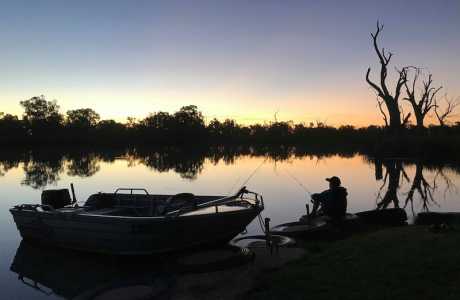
{"x": 334, "y": 179}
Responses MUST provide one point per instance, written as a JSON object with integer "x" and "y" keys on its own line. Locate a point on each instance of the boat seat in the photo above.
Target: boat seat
{"x": 178, "y": 201}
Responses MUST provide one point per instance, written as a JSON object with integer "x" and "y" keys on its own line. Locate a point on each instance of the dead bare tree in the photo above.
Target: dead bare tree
{"x": 423, "y": 103}
{"x": 384, "y": 115}
{"x": 451, "y": 105}
{"x": 405, "y": 118}
{"x": 391, "y": 101}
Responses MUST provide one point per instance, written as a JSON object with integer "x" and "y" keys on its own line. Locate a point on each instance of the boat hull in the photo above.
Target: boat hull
{"x": 131, "y": 235}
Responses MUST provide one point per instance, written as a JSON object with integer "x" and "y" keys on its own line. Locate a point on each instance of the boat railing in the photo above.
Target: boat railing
{"x": 131, "y": 190}
{"x": 118, "y": 199}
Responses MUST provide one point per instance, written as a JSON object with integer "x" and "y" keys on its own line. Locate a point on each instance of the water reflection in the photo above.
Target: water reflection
{"x": 9, "y": 160}
{"x": 186, "y": 162}
{"x": 73, "y": 275}
{"x": 84, "y": 166}
{"x": 388, "y": 192}
{"x": 424, "y": 189}
{"x": 77, "y": 275}
{"x": 42, "y": 171}
{"x": 420, "y": 187}
{"x": 43, "y": 167}
{"x": 410, "y": 183}
{"x": 5, "y": 166}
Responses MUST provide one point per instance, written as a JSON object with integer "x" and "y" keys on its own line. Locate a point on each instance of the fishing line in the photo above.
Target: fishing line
{"x": 299, "y": 183}
{"x": 254, "y": 172}
{"x": 234, "y": 184}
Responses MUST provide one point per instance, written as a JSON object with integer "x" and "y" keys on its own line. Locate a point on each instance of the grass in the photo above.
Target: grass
{"x": 397, "y": 263}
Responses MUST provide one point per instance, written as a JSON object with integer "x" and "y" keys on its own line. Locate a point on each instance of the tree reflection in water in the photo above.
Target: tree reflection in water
{"x": 420, "y": 187}
{"x": 7, "y": 165}
{"x": 10, "y": 159}
{"x": 424, "y": 189}
{"x": 391, "y": 181}
{"x": 42, "y": 167}
{"x": 84, "y": 166}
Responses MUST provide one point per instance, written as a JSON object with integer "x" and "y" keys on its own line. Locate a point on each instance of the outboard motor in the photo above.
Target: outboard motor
{"x": 56, "y": 198}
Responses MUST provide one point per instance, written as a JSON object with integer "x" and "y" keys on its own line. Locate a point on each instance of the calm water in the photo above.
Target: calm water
{"x": 277, "y": 175}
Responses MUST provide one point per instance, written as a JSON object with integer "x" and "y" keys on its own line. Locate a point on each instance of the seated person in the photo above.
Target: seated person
{"x": 333, "y": 201}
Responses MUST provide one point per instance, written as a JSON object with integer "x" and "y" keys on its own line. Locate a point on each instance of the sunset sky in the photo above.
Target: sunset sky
{"x": 245, "y": 60}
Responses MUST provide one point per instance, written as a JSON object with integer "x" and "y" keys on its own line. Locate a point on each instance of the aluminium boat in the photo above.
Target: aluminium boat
{"x": 129, "y": 223}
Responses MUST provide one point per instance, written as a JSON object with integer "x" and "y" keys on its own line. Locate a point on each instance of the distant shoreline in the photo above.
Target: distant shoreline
{"x": 42, "y": 124}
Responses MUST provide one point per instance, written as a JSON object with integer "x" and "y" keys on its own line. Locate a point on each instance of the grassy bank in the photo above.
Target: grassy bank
{"x": 397, "y": 263}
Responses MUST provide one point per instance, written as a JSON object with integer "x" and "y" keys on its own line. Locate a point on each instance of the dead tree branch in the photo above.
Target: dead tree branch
{"x": 421, "y": 104}
{"x": 394, "y": 118}
{"x": 444, "y": 115}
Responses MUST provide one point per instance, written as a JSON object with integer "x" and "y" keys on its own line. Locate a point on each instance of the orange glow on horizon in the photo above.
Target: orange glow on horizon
{"x": 357, "y": 109}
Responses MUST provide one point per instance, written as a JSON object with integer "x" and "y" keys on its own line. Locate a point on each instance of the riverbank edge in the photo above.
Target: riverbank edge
{"x": 410, "y": 262}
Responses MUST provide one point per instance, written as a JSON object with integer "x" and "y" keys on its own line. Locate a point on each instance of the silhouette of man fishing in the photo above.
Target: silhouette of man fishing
{"x": 333, "y": 201}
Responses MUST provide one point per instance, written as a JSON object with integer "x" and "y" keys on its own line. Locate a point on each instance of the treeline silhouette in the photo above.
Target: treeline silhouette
{"x": 43, "y": 124}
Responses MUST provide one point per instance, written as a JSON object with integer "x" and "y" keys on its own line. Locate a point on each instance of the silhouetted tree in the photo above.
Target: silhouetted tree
{"x": 38, "y": 109}
{"x": 391, "y": 101}
{"x": 157, "y": 128}
{"x": 189, "y": 123}
{"x": 131, "y": 122}
{"x": 12, "y": 130}
{"x": 42, "y": 118}
{"x": 215, "y": 128}
{"x": 443, "y": 115}
{"x": 258, "y": 131}
{"x": 110, "y": 130}
{"x": 159, "y": 121}
{"x": 280, "y": 131}
{"x": 227, "y": 131}
{"x": 189, "y": 115}
{"x": 423, "y": 103}
{"x": 82, "y": 118}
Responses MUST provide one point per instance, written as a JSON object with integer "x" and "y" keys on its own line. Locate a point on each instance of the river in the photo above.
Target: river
{"x": 283, "y": 177}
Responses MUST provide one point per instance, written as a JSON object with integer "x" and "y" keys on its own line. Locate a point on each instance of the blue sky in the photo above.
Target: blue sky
{"x": 240, "y": 59}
